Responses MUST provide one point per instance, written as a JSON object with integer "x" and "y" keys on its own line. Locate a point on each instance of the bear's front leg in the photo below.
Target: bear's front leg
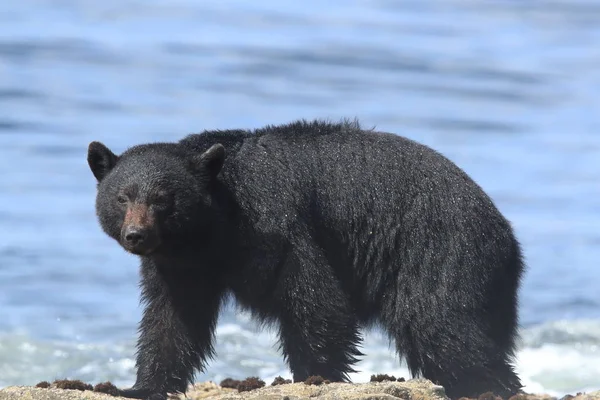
{"x": 176, "y": 331}
{"x": 319, "y": 332}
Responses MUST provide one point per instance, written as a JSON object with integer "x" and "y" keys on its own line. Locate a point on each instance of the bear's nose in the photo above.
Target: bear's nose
{"x": 134, "y": 235}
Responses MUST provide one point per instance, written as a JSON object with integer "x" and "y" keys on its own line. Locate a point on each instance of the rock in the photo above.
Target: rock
{"x": 415, "y": 389}
{"x": 33, "y": 393}
{"x": 199, "y": 391}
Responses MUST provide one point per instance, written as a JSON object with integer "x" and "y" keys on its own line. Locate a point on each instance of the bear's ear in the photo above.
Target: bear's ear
{"x": 211, "y": 161}
{"x": 100, "y": 159}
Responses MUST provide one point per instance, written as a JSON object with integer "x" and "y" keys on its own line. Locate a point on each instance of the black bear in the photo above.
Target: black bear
{"x": 320, "y": 228}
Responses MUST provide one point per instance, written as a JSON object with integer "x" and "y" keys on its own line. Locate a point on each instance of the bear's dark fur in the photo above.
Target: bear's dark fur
{"x": 320, "y": 228}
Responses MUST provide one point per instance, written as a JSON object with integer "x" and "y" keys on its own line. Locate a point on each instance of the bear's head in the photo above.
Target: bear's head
{"x": 151, "y": 197}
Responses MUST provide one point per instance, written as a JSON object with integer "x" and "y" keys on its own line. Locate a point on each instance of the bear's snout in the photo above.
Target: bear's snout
{"x": 135, "y": 235}
{"x": 139, "y": 240}
{"x": 138, "y": 234}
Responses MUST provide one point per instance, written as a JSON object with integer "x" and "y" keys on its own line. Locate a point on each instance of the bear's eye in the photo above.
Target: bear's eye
{"x": 121, "y": 199}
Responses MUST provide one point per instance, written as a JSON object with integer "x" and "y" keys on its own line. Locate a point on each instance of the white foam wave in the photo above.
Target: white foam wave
{"x": 556, "y": 358}
{"x": 561, "y": 357}
{"x": 24, "y": 361}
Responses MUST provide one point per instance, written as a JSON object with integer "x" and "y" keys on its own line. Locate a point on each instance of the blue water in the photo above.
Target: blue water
{"x": 509, "y": 90}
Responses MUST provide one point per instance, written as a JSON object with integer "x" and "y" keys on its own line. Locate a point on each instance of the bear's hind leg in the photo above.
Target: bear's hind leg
{"x": 457, "y": 352}
{"x": 319, "y": 332}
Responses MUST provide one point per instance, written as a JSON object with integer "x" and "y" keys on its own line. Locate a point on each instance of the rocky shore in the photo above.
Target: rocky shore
{"x": 255, "y": 389}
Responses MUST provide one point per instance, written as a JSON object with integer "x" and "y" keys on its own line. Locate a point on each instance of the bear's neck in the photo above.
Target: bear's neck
{"x": 185, "y": 257}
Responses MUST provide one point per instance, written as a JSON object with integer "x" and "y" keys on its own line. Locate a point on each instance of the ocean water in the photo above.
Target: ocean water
{"x": 509, "y": 90}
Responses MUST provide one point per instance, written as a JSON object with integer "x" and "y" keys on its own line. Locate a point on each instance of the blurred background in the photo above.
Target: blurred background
{"x": 509, "y": 90}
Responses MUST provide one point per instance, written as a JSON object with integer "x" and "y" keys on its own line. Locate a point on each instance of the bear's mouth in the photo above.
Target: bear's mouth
{"x": 140, "y": 250}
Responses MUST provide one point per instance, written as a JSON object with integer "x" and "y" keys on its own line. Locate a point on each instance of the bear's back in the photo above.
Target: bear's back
{"x": 343, "y": 176}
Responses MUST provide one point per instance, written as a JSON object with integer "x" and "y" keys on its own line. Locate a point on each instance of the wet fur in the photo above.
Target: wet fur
{"x": 320, "y": 229}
